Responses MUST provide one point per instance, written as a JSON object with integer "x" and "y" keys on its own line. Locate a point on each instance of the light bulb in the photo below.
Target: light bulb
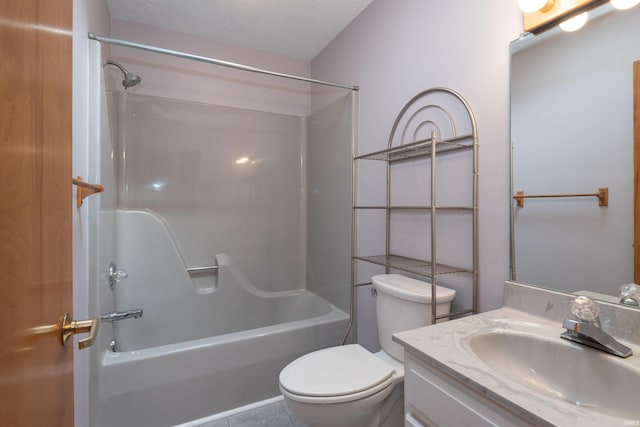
{"x": 576, "y": 22}
{"x": 530, "y": 6}
{"x": 624, "y": 4}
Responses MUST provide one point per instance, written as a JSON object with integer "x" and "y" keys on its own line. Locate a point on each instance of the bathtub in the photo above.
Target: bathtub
{"x": 195, "y": 353}
{"x": 176, "y": 383}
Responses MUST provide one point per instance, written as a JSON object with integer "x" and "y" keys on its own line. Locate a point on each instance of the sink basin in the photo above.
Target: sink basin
{"x": 562, "y": 369}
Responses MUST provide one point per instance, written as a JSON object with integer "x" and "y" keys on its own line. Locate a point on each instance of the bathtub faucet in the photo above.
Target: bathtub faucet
{"x": 116, "y": 276}
{"x": 115, "y": 316}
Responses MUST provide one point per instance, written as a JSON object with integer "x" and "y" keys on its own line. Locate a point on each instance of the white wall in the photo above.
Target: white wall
{"x": 87, "y": 16}
{"x": 397, "y": 48}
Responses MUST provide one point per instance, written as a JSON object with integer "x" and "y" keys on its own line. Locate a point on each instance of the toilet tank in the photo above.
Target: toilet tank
{"x": 404, "y": 303}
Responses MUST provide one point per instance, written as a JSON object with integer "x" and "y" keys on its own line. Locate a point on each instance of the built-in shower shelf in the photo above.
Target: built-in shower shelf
{"x": 412, "y": 265}
{"x": 421, "y": 148}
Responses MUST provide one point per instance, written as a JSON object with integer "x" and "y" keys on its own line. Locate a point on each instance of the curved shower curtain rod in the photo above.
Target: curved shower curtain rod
{"x": 184, "y": 55}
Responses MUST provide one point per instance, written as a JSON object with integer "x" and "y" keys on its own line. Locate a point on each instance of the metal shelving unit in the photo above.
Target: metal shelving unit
{"x": 452, "y": 128}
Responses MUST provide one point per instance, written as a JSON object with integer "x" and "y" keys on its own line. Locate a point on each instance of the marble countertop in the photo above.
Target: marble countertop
{"x": 445, "y": 346}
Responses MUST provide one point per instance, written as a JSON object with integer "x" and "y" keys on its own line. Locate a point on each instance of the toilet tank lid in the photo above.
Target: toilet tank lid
{"x": 410, "y": 289}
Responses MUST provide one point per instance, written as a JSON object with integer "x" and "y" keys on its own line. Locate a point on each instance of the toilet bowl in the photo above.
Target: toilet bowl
{"x": 348, "y": 386}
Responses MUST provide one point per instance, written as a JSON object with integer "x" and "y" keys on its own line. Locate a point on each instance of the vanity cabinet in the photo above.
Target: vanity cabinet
{"x": 430, "y": 211}
{"x": 435, "y": 398}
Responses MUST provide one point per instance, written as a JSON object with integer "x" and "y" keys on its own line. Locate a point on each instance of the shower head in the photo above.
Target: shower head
{"x": 129, "y": 79}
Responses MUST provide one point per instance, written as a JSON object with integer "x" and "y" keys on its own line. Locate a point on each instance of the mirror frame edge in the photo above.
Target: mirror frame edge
{"x": 636, "y": 171}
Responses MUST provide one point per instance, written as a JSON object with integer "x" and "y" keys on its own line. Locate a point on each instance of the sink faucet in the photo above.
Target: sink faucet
{"x": 114, "y": 316}
{"x": 630, "y": 294}
{"x": 585, "y": 328}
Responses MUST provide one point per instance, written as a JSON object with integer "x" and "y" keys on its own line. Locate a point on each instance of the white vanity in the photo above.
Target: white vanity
{"x": 509, "y": 367}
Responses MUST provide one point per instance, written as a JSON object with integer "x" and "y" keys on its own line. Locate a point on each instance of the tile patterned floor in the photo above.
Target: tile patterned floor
{"x": 272, "y": 415}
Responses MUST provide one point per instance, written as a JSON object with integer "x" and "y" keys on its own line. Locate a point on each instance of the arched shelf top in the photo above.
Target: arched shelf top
{"x": 438, "y": 115}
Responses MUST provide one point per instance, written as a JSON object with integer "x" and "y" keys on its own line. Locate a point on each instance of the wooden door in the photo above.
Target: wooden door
{"x": 36, "y": 371}
{"x": 636, "y": 172}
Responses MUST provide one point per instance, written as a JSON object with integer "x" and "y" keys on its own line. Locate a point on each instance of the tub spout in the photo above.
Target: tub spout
{"x": 115, "y": 316}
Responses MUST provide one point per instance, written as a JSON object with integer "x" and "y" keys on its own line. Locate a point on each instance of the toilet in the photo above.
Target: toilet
{"x": 348, "y": 386}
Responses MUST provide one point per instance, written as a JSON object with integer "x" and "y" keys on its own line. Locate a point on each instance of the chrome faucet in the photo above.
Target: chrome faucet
{"x": 585, "y": 328}
{"x": 630, "y": 294}
{"x": 115, "y": 316}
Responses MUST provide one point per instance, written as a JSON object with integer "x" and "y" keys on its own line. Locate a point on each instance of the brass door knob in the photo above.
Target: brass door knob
{"x": 70, "y": 327}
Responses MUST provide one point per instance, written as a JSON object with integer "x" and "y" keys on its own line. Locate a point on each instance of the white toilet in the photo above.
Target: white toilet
{"x": 347, "y": 386}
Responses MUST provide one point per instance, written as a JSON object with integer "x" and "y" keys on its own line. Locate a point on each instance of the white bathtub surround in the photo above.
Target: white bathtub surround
{"x": 213, "y": 347}
{"x": 445, "y": 348}
{"x": 197, "y": 185}
{"x": 180, "y": 307}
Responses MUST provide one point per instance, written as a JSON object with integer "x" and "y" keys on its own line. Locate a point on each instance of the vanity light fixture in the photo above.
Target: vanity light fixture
{"x": 578, "y": 21}
{"x": 559, "y": 12}
{"x": 530, "y": 6}
{"x": 575, "y": 23}
{"x": 624, "y": 4}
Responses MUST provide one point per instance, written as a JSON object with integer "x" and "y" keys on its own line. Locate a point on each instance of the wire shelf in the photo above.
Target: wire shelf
{"x": 433, "y": 123}
{"x": 422, "y": 148}
{"x": 412, "y": 265}
{"x": 418, "y": 208}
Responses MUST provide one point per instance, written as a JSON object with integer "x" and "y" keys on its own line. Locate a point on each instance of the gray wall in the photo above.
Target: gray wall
{"x": 397, "y": 48}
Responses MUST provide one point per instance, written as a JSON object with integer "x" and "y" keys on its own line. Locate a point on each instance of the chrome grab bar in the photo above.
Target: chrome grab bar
{"x": 202, "y": 269}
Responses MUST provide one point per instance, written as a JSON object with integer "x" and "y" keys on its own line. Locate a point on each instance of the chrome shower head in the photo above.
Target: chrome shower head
{"x": 129, "y": 79}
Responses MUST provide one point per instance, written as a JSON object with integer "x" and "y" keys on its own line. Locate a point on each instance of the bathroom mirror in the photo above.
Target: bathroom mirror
{"x": 572, "y": 134}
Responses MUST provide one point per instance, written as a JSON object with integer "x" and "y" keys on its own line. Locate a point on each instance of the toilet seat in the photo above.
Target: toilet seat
{"x": 336, "y": 375}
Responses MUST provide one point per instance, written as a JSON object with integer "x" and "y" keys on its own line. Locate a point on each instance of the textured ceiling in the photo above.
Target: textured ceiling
{"x": 296, "y": 28}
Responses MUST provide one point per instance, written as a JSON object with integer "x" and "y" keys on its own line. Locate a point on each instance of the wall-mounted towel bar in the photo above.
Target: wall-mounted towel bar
{"x": 213, "y": 268}
{"x": 602, "y": 195}
{"x": 85, "y": 189}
